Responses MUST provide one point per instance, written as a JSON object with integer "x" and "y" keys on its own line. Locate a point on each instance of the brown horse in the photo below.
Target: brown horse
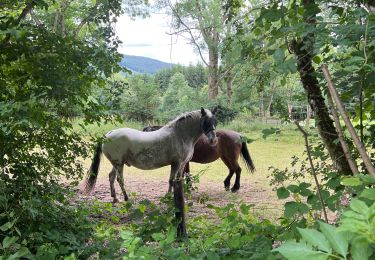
{"x": 228, "y": 147}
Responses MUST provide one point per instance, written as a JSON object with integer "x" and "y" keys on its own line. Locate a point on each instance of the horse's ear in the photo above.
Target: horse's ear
{"x": 203, "y": 112}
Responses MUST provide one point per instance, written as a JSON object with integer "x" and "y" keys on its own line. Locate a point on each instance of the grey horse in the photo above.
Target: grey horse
{"x": 172, "y": 145}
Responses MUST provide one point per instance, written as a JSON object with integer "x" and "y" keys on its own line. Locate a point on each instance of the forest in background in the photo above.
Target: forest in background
{"x": 59, "y": 60}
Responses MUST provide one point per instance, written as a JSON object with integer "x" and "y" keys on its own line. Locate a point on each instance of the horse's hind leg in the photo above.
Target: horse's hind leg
{"x": 188, "y": 175}
{"x": 112, "y": 177}
{"x": 120, "y": 180}
{"x": 236, "y": 185}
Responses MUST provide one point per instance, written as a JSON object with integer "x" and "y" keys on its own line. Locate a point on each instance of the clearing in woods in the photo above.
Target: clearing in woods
{"x": 255, "y": 188}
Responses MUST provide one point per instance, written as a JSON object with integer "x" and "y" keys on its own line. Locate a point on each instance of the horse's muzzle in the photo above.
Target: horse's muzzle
{"x": 212, "y": 139}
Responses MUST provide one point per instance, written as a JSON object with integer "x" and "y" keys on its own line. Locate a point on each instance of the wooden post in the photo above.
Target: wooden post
{"x": 361, "y": 149}
{"x": 178, "y": 188}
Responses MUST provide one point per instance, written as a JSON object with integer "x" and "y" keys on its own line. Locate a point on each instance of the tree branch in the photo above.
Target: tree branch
{"x": 35, "y": 18}
{"x": 23, "y": 14}
{"x": 86, "y": 19}
{"x": 361, "y": 149}
{"x": 189, "y": 31}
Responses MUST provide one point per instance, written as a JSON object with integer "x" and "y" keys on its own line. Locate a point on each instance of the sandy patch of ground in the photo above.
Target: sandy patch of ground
{"x": 140, "y": 187}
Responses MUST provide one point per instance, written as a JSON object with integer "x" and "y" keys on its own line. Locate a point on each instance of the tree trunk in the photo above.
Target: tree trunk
{"x": 304, "y": 51}
{"x": 308, "y": 115}
{"x": 229, "y": 82}
{"x": 261, "y": 105}
{"x": 213, "y": 73}
{"x": 272, "y": 92}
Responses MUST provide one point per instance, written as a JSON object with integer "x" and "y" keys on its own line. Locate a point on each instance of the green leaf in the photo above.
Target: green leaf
{"x": 337, "y": 240}
{"x": 351, "y": 181}
{"x": 171, "y": 235}
{"x": 212, "y": 256}
{"x": 359, "y": 206}
{"x": 317, "y": 59}
{"x": 291, "y": 208}
{"x": 244, "y": 208}
{"x": 352, "y": 214}
{"x": 8, "y": 241}
{"x": 234, "y": 241}
{"x": 293, "y": 188}
{"x": 22, "y": 252}
{"x": 368, "y": 194}
{"x": 142, "y": 208}
{"x": 157, "y": 236}
{"x": 294, "y": 250}
{"x": 315, "y": 238}
{"x": 279, "y": 55}
{"x": 360, "y": 249}
{"x": 282, "y": 193}
{"x": 6, "y": 226}
{"x": 367, "y": 179}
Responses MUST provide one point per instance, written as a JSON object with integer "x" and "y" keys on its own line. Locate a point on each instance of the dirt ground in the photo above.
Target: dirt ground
{"x": 140, "y": 187}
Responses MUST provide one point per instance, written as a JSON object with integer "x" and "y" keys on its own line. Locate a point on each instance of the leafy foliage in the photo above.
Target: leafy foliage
{"x": 50, "y": 63}
{"x": 180, "y": 97}
{"x": 236, "y": 234}
{"x": 140, "y": 100}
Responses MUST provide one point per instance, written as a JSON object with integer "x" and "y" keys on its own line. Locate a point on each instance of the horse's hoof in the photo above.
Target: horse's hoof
{"x": 226, "y": 188}
{"x": 234, "y": 189}
{"x": 126, "y": 198}
{"x": 115, "y": 200}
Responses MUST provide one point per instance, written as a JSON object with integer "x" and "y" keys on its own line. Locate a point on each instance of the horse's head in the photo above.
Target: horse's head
{"x": 208, "y": 122}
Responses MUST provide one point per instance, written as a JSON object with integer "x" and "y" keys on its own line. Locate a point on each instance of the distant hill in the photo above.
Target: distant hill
{"x": 141, "y": 64}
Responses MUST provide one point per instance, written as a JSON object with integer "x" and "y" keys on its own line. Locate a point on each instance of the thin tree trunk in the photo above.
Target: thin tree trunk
{"x": 261, "y": 105}
{"x": 304, "y": 51}
{"x": 308, "y": 115}
{"x": 313, "y": 170}
{"x": 213, "y": 73}
{"x": 361, "y": 149}
{"x": 229, "y": 82}
{"x": 340, "y": 132}
{"x": 361, "y": 110}
{"x": 272, "y": 92}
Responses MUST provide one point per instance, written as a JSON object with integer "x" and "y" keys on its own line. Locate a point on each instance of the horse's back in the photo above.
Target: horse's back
{"x": 134, "y": 135}
{"x": 229, "y": 136}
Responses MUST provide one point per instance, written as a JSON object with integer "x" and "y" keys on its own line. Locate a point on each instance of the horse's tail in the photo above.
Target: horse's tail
{"x": 92, "y": 173}
{"x": 247, "y": 158}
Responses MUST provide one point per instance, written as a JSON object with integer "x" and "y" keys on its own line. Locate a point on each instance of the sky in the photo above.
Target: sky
{"x": 148, "y": 37}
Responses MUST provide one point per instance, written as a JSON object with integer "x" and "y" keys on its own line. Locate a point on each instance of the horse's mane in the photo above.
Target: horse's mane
{"x": 183, "y": 117}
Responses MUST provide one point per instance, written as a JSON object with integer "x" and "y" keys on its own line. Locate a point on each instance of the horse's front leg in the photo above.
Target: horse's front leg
{"x": 227, "y": 180}
{"x": 179, "y": 200}
{"x": 174, "y": 169}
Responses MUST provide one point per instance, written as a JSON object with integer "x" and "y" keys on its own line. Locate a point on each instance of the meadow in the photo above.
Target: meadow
{"x": 265, "y": 149}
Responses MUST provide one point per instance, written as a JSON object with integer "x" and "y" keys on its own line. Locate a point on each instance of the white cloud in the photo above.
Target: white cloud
{"x": 148, "y": 37}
